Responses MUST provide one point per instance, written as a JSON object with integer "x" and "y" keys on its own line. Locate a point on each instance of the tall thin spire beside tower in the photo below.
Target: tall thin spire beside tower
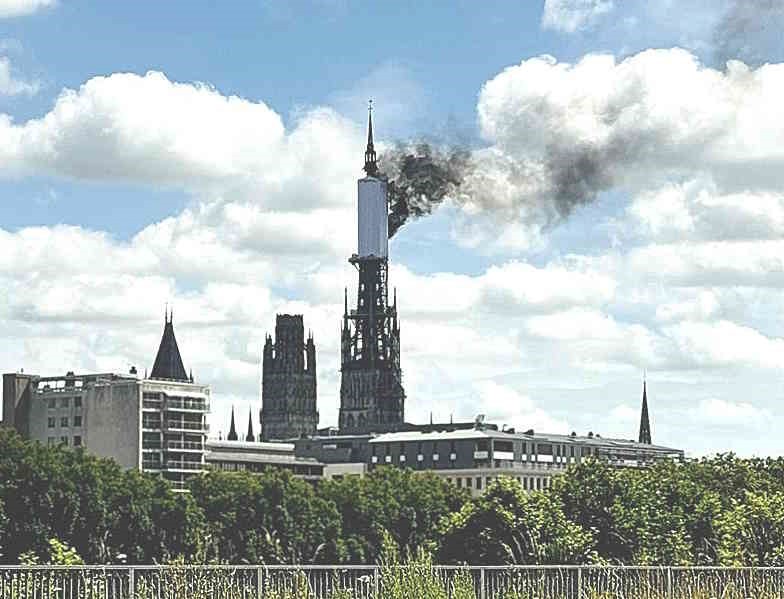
{"x": 250, "y": 438}
{"x": 645, "y": 423}
{"x": 232, "y": 436}
{"x": 371, "y": 167}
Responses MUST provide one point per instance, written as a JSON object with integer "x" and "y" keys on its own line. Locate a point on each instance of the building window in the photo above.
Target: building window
{"x": 65, "y": 402}
{"x": 78, "y": 401}
{"x": 52, "y": 403}
{"x": 64, "y": 421}
{"x": 478, "y": 483}
{"x": 64, "y": 440}
{"x": 50, "y": 422}
{"x": 51, "y": 441}
{"x": 77, "y": 441}
{"x": 78, "y": 420}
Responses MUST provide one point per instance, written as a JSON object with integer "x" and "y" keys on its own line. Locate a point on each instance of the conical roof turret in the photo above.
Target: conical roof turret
{"x": 168, "y": 362}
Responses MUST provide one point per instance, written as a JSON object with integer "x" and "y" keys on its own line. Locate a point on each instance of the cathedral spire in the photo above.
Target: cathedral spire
{"x": 249, "y": 437}
{"x": 232, "y": 436}
{"x": 371, "y": 168}
{"x": 645, "y": 423}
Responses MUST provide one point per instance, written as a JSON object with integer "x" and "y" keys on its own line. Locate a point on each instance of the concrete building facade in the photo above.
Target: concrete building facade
{"x": 155, "y": 424}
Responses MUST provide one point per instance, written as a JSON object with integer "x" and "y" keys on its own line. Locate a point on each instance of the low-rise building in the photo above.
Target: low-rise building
{"x": 244, "y": 456}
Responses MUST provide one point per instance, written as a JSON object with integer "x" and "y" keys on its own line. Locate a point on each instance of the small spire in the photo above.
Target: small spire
{"x": 232, "y": 436}
{"x": 250, "y": 437}
{"x": 645, "y": 423}
{"x": 191, "y": 375}
{"x": 345, "y": 301}
{"x": 371, "y": 168}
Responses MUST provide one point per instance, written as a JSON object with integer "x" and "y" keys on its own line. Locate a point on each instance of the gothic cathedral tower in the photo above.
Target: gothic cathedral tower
{"x": 371, "y": 386}
{"x": 288, "y": 386}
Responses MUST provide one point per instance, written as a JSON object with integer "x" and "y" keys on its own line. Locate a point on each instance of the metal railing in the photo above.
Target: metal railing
{"x": 369, "y": 582}
{"x": 184, "y": 465}
{"x": 186, "y": 425}
{"x": 188, "y": 404}
{"x": 192, "y": 445}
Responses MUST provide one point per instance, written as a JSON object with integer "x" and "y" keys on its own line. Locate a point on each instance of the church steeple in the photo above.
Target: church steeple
{"x": 232, "y": 436}
{"x": 371, "y": 168}
{"x": 168, "y": 362}
{"x": 645, "y": 423}
{"x": 250, "y": 437}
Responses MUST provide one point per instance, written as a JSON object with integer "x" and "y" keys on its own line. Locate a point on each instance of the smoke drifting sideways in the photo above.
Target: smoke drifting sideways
{"x": 420, "y": 177}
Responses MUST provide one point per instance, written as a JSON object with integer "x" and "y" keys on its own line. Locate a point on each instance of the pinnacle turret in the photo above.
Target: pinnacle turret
{"x": 645, "y": 423}
{"x": 232, "y": 436}
{"x": 250, "y": 438}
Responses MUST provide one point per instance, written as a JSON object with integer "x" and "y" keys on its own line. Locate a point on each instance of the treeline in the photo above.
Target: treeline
{"x": 718, "y": 511}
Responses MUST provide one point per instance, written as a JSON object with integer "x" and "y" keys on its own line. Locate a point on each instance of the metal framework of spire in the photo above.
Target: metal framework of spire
{"x": 371, "y": 391}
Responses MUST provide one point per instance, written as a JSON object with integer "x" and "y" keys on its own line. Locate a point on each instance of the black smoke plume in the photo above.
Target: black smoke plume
{"x": 420, "y": 177}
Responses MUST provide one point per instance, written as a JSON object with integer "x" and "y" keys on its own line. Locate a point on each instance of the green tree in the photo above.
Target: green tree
{"x": 268, "y": 518}
{"x": 90, "y": 503}
{"x": 406, "y": 504}
{"x": 752, "y": 531}
{"x": 506, "y": 525}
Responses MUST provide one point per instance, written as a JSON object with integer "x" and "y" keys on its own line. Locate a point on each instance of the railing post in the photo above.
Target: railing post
{"x": 669, "y": 582}
{"x": 482, "y": 587}
{"x": 131, "y": 582}
{"x": 579, "y": 582}
{"x": 259, "y": 582}
{"x": 376, "y": 583}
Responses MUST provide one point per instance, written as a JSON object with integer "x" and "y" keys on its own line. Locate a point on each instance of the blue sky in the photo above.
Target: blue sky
{"x": 171, "y": 151}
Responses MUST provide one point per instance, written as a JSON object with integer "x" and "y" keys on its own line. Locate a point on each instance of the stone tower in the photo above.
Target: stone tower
{"x": 288, "y": 387}
{"x": 371, "y": 387}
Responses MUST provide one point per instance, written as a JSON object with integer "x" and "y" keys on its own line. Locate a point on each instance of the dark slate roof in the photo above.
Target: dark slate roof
{"x": 168, "y": 362}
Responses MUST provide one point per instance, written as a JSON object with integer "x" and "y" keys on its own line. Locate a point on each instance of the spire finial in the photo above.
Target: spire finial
{"x": 371, "y": 168}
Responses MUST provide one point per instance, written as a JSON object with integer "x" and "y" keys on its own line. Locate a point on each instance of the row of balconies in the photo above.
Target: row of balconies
{"x": 184, "y": 425}
{"x": 172, "y": 464}
{"x": 193, "y": 405}
{"x": 177, "y": 445}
